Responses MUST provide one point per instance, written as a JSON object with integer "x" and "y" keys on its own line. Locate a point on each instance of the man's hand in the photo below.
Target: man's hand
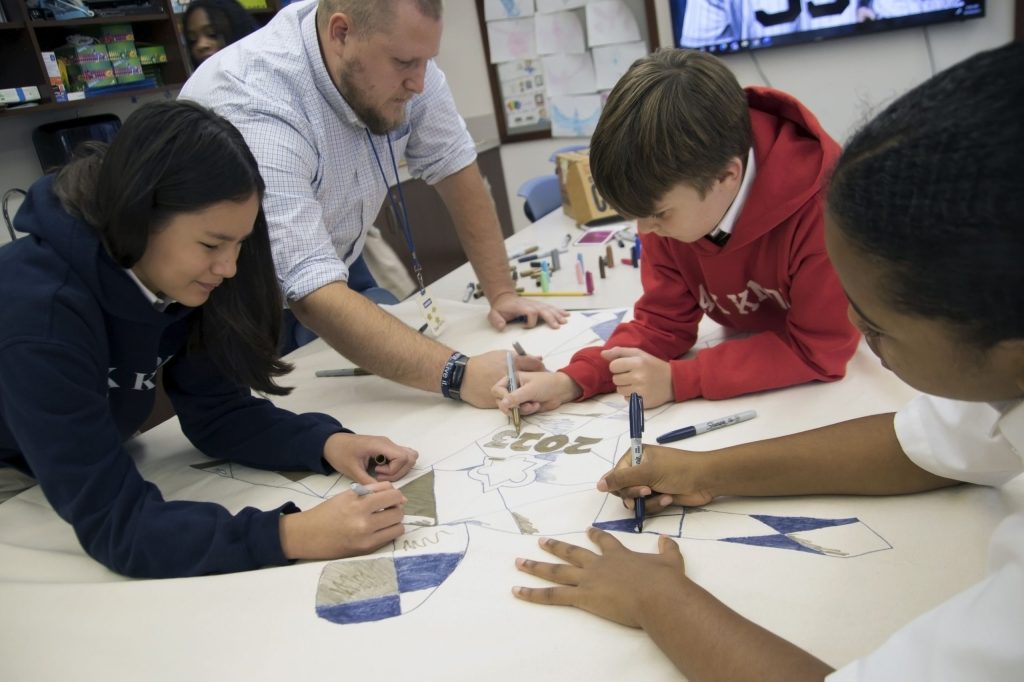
{"x": 509, "y": 306}
{"x": 637, "y": 371}
{"x": 482, "y": 371}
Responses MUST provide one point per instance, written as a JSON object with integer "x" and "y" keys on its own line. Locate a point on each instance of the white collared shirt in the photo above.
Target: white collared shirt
{"x": 728, "y": 221}
{"x": 979, "y": 633}
{"x": 324, "y": 188}
{"x": 159, "y": 303}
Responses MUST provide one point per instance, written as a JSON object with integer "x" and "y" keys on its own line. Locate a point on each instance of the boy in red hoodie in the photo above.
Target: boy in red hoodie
{"x": 725, "y": 184}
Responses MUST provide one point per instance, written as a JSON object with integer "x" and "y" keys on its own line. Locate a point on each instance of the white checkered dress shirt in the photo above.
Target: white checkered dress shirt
{"x": 323, "y": 185}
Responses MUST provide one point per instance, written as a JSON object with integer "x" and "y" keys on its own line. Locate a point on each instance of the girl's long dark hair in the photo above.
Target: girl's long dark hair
{"x": 934, "y": 188}
{"x": 178, "y": 157}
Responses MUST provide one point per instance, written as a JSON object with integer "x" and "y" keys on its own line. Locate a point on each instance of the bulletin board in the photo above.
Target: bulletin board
{"x": 552, "y": 62}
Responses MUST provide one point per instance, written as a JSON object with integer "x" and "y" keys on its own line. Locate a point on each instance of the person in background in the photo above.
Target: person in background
{"x": 154, "y": 253}
{"x": 925, "y": 226}
{"x": 725, "y": 184}
{"x": 211, "y": 25}
{"x": 331, "y": 97}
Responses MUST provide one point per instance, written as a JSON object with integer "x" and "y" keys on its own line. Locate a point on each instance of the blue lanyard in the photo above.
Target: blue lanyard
{"x": 403, "y": 215}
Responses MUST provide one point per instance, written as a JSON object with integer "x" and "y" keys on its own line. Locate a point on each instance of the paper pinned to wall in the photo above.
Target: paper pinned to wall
{"x": 569, "y": 74}
{"x": 574, "y": 115}
{"x": 548, "y": 6}
{"x": 519, "y": 68}
{"x": 507, "y": 9}
{"x": 511, "y": 39}
{"x": 561, "y": 32}
{"x": 612, "y": 61}
{"x": 610, "y": 21}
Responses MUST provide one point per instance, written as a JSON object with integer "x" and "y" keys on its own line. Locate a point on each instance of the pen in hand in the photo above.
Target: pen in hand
{"x": 513, "y": 385}
{"x": 636, "y": 432}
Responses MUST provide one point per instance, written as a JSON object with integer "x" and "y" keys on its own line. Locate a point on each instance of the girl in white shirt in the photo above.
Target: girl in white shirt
{"x": 924, "y": 227}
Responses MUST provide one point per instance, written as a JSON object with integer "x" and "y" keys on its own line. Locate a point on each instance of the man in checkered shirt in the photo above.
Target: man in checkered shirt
{"x": 319, "y": 94}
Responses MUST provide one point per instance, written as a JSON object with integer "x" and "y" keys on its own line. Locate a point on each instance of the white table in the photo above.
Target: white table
{"x": 65, "y": 617}
{"x": 619, "y": 289}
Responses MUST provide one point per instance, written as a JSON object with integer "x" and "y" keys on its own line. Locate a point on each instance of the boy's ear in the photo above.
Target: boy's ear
{"x": 732, "y": 173}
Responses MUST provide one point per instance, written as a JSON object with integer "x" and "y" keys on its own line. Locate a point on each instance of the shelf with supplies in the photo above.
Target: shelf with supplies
{"x": 26, "y": 75}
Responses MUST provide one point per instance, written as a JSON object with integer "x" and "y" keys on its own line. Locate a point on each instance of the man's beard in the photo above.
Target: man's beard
{"x": 349, "y": 90}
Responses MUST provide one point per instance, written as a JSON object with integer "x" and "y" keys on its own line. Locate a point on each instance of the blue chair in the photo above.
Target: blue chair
{"x": 542, "y": 196}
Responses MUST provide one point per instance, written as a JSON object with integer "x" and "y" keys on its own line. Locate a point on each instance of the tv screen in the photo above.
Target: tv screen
{"x": 722, "y": 26}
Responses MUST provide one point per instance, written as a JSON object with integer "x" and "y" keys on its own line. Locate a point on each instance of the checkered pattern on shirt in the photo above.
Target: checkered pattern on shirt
{"x": 323, "y": 185}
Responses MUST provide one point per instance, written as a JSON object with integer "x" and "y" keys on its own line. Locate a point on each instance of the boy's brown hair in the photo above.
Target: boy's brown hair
{"x": 677, "y": 116}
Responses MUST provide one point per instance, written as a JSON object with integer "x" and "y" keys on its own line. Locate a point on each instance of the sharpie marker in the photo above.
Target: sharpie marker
{"x": 636, "y": 434}
{"x": 704, "y": 427}
{"x": 347, "y": 372}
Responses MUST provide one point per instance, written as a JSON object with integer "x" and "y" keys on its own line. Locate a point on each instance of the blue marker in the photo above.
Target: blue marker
{"x": 636, "y": 433}
{"x": 704, "y": 427}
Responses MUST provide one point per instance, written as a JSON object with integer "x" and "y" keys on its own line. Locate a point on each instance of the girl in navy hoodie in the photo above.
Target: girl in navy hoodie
{"x": 153, "y": 253}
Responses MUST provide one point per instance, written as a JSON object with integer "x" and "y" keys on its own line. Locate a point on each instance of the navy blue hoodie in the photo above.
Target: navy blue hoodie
{"x": 79, "y": 346}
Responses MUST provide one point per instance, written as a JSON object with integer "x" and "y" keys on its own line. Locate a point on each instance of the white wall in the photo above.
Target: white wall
{"x": 842, "y": 81}
{"x": 19, "y": 166}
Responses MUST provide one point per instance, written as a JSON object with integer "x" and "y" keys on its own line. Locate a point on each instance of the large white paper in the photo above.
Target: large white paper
{"x": 611, "y": 61}
{"x": 789, "y": 564}
{"x": 569, "y": 74}
{"x": 610, "y": 21}
{"x": 547, "y": 6}
{"x": 511, "y": 39}
{"x": 561, "y": 32}
{"x": 507, "y": 9}
{"x": 574, "y": 115}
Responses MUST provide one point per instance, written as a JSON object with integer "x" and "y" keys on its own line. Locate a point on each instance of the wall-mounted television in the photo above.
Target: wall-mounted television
{"x": 724, "y": 26}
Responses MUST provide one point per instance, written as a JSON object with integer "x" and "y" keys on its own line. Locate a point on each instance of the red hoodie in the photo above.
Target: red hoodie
{"x": 772, "y": 279}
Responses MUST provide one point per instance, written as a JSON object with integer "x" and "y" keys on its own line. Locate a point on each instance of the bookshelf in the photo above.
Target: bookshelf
{"x": 22, "y": 41}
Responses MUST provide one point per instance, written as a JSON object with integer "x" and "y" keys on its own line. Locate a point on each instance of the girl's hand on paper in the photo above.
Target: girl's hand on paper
{"x": 345, "y": 525}
{"x": 351, "y": 453}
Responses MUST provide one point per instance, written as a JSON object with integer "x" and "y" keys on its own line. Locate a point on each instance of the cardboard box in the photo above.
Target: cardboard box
{"x": 82, "y": 54}
{"x": 127, "y": 70}
{"x": 60, "y": 93}
{"x": 580, "y": 199}
{"x": 152, "y": 54}
{"x": 114, "y": 33}
{"x": 122, "y": 50}
{"x": 90, "y": 75}
{"x": 12, "y": 96}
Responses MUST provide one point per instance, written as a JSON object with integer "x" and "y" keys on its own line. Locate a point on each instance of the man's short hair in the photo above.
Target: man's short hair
{"x": 372, "y": 16}
{"x": 676, "y": 116}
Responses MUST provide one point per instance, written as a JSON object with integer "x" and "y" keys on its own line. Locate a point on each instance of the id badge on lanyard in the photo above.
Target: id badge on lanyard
{"x": 431, "y": 313}
{"x": 428, "y": 309}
